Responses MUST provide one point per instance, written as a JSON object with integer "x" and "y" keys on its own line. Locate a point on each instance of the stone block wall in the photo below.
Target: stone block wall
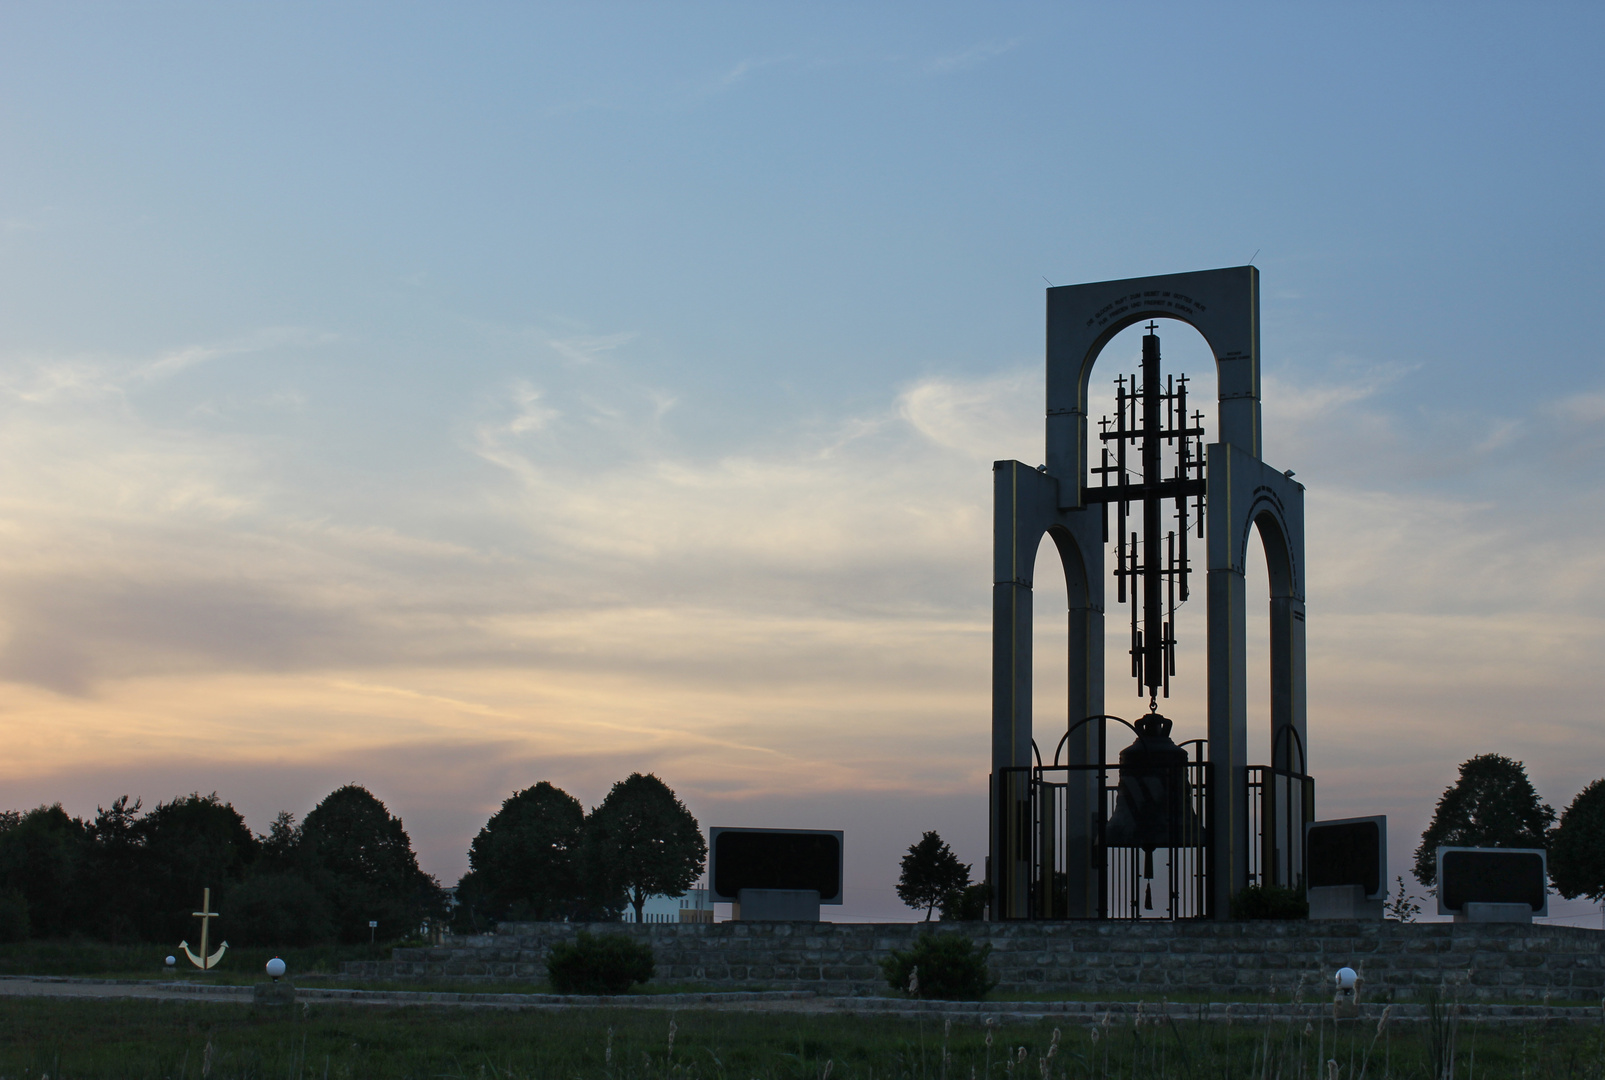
{"x": 1398, "y": 961}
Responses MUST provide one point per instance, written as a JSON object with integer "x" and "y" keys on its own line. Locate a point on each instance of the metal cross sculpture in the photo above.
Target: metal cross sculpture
{"x": 1149, "y": 417}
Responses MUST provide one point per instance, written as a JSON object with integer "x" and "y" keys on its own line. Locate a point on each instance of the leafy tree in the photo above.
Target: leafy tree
{"x": 117, "y": 868}
{"x": 644, "y": 839}
{"x": 930, "y": 872}
{"x": 278, "y": 910}
{"x": 525, "y": 861}
{"x": 967, "y": 904}
{"x": 1577, "y": 846}
{"x": 1493, "y": 804}
{"x": 188, "y": 844}
{"x": 280, "y": 845}
{"x": 13, "y": 916}
{"x": 43, "y": 858}
{"x": 360, "y": 859}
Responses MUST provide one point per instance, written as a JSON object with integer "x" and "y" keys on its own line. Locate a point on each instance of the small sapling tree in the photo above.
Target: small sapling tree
{"x": 930, "y": 873}
{"x": 1402, "y": 907}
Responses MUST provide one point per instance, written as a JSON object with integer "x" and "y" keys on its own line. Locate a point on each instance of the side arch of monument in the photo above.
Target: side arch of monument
{"x": 1026, "y": 509}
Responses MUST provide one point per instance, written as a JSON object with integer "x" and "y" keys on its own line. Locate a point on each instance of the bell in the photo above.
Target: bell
{"x": 1152, "y": 804}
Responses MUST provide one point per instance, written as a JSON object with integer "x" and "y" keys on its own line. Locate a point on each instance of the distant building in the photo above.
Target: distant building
{"x": 693, "y": 907}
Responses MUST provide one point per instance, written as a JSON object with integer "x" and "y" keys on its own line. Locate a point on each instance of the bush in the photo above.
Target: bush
{"x": 601, "y": 964}
{"x": 967, "y": 904}
{"x": 13, "y": 916}
{"x": 1270, "y": 902}
{"x": 948, "y": 966}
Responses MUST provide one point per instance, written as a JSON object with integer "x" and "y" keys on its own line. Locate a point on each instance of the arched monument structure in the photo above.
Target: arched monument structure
{"x": 1054, "y": 826}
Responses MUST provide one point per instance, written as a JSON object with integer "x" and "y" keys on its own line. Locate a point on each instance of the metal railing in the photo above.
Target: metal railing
{"x": 1280, "y": 804}
{"x": 1073, "y": 872}
{"x": 1060, "y": 864}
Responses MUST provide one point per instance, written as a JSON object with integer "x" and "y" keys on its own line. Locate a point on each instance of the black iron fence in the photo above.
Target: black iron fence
{"x": 1280, "y": 804}
{"x": 1153, "y": 863}
{"x": 1085, "y": 842}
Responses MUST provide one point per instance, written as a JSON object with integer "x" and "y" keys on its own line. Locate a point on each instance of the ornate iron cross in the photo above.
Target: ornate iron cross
{"x": 1149, "y": 418}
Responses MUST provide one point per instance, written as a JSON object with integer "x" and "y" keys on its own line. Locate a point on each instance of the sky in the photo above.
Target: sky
{"x": 445, "y": 398}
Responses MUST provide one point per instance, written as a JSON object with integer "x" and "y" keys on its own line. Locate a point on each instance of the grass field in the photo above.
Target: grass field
{"x": 101, "y": 960}
{"x": 52, "y": 1039}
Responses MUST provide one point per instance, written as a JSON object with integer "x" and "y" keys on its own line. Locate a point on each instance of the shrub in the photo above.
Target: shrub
{"x": 1270, "y": 902}
{"x": 948, "y": 966}
{"x": 967, "y": 904}
{"x": 600, "y": 964}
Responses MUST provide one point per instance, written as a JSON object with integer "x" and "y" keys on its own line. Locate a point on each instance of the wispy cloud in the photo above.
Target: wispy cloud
{"x": 974, "y": 56}
{"x": 587, "y": 348}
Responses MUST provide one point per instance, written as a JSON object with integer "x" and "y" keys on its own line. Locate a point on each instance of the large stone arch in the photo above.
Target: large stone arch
{"x": 1222, "y": 305}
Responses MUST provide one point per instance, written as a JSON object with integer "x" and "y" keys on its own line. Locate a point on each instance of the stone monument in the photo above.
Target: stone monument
{"x": 775, "y": 875}
{"x": 1220, "y": 823}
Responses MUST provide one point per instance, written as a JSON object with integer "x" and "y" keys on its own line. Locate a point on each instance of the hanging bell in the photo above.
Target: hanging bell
{"x": 1152, "y": 804}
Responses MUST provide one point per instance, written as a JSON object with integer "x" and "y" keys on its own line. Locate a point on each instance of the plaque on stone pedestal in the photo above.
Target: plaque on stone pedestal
{"x": 1346, "y": 867}
{"x": 1493, "y": 884}
{"x": 789, "y": 871}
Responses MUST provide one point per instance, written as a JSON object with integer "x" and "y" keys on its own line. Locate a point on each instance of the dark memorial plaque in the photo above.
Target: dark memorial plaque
{"x": 774, "y": 859}
{"x": 1348, "y": 851}
{"x": 1491, "y": 876}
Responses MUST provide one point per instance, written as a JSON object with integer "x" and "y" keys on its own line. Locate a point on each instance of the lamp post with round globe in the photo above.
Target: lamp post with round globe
{"x": 1346, "y": 1001}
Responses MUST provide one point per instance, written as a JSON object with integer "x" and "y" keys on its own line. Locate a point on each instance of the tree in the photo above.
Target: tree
{"x": 187, "y": 845}
{"x": 360, "y": 859}
{"x": 42, "y": 857}
{"x": 277, "y": 910}
{"x": 930, "y": 872}
{"x": 280, "y": 845}
{"x": 1577, "y": 847}
{"x": 1493, "y": 804}
{"x": 644, "y": 839}
{"x": 116, "y": 866}
{"x": 525, "y": 861}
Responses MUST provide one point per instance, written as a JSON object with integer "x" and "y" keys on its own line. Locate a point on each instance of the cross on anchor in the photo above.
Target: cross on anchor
{"x": 206, "y": 914}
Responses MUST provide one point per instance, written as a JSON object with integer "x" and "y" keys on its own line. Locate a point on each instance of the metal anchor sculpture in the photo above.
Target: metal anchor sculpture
{"x": 206, "y": 914}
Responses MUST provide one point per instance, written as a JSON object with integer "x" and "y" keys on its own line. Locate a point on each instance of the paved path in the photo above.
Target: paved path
{"x": 61, "y": 986}
{"x": 1068, "y": 1013}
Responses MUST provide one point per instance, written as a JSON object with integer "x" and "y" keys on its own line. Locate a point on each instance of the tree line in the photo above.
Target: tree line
{"x": 132, "y": 874}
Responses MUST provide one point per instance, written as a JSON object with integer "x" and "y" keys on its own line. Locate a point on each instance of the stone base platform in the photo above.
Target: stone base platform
{"x": 1259, "y": 959}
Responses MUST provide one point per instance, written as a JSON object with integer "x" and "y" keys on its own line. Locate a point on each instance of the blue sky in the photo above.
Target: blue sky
{"x": 448, "y": 397}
